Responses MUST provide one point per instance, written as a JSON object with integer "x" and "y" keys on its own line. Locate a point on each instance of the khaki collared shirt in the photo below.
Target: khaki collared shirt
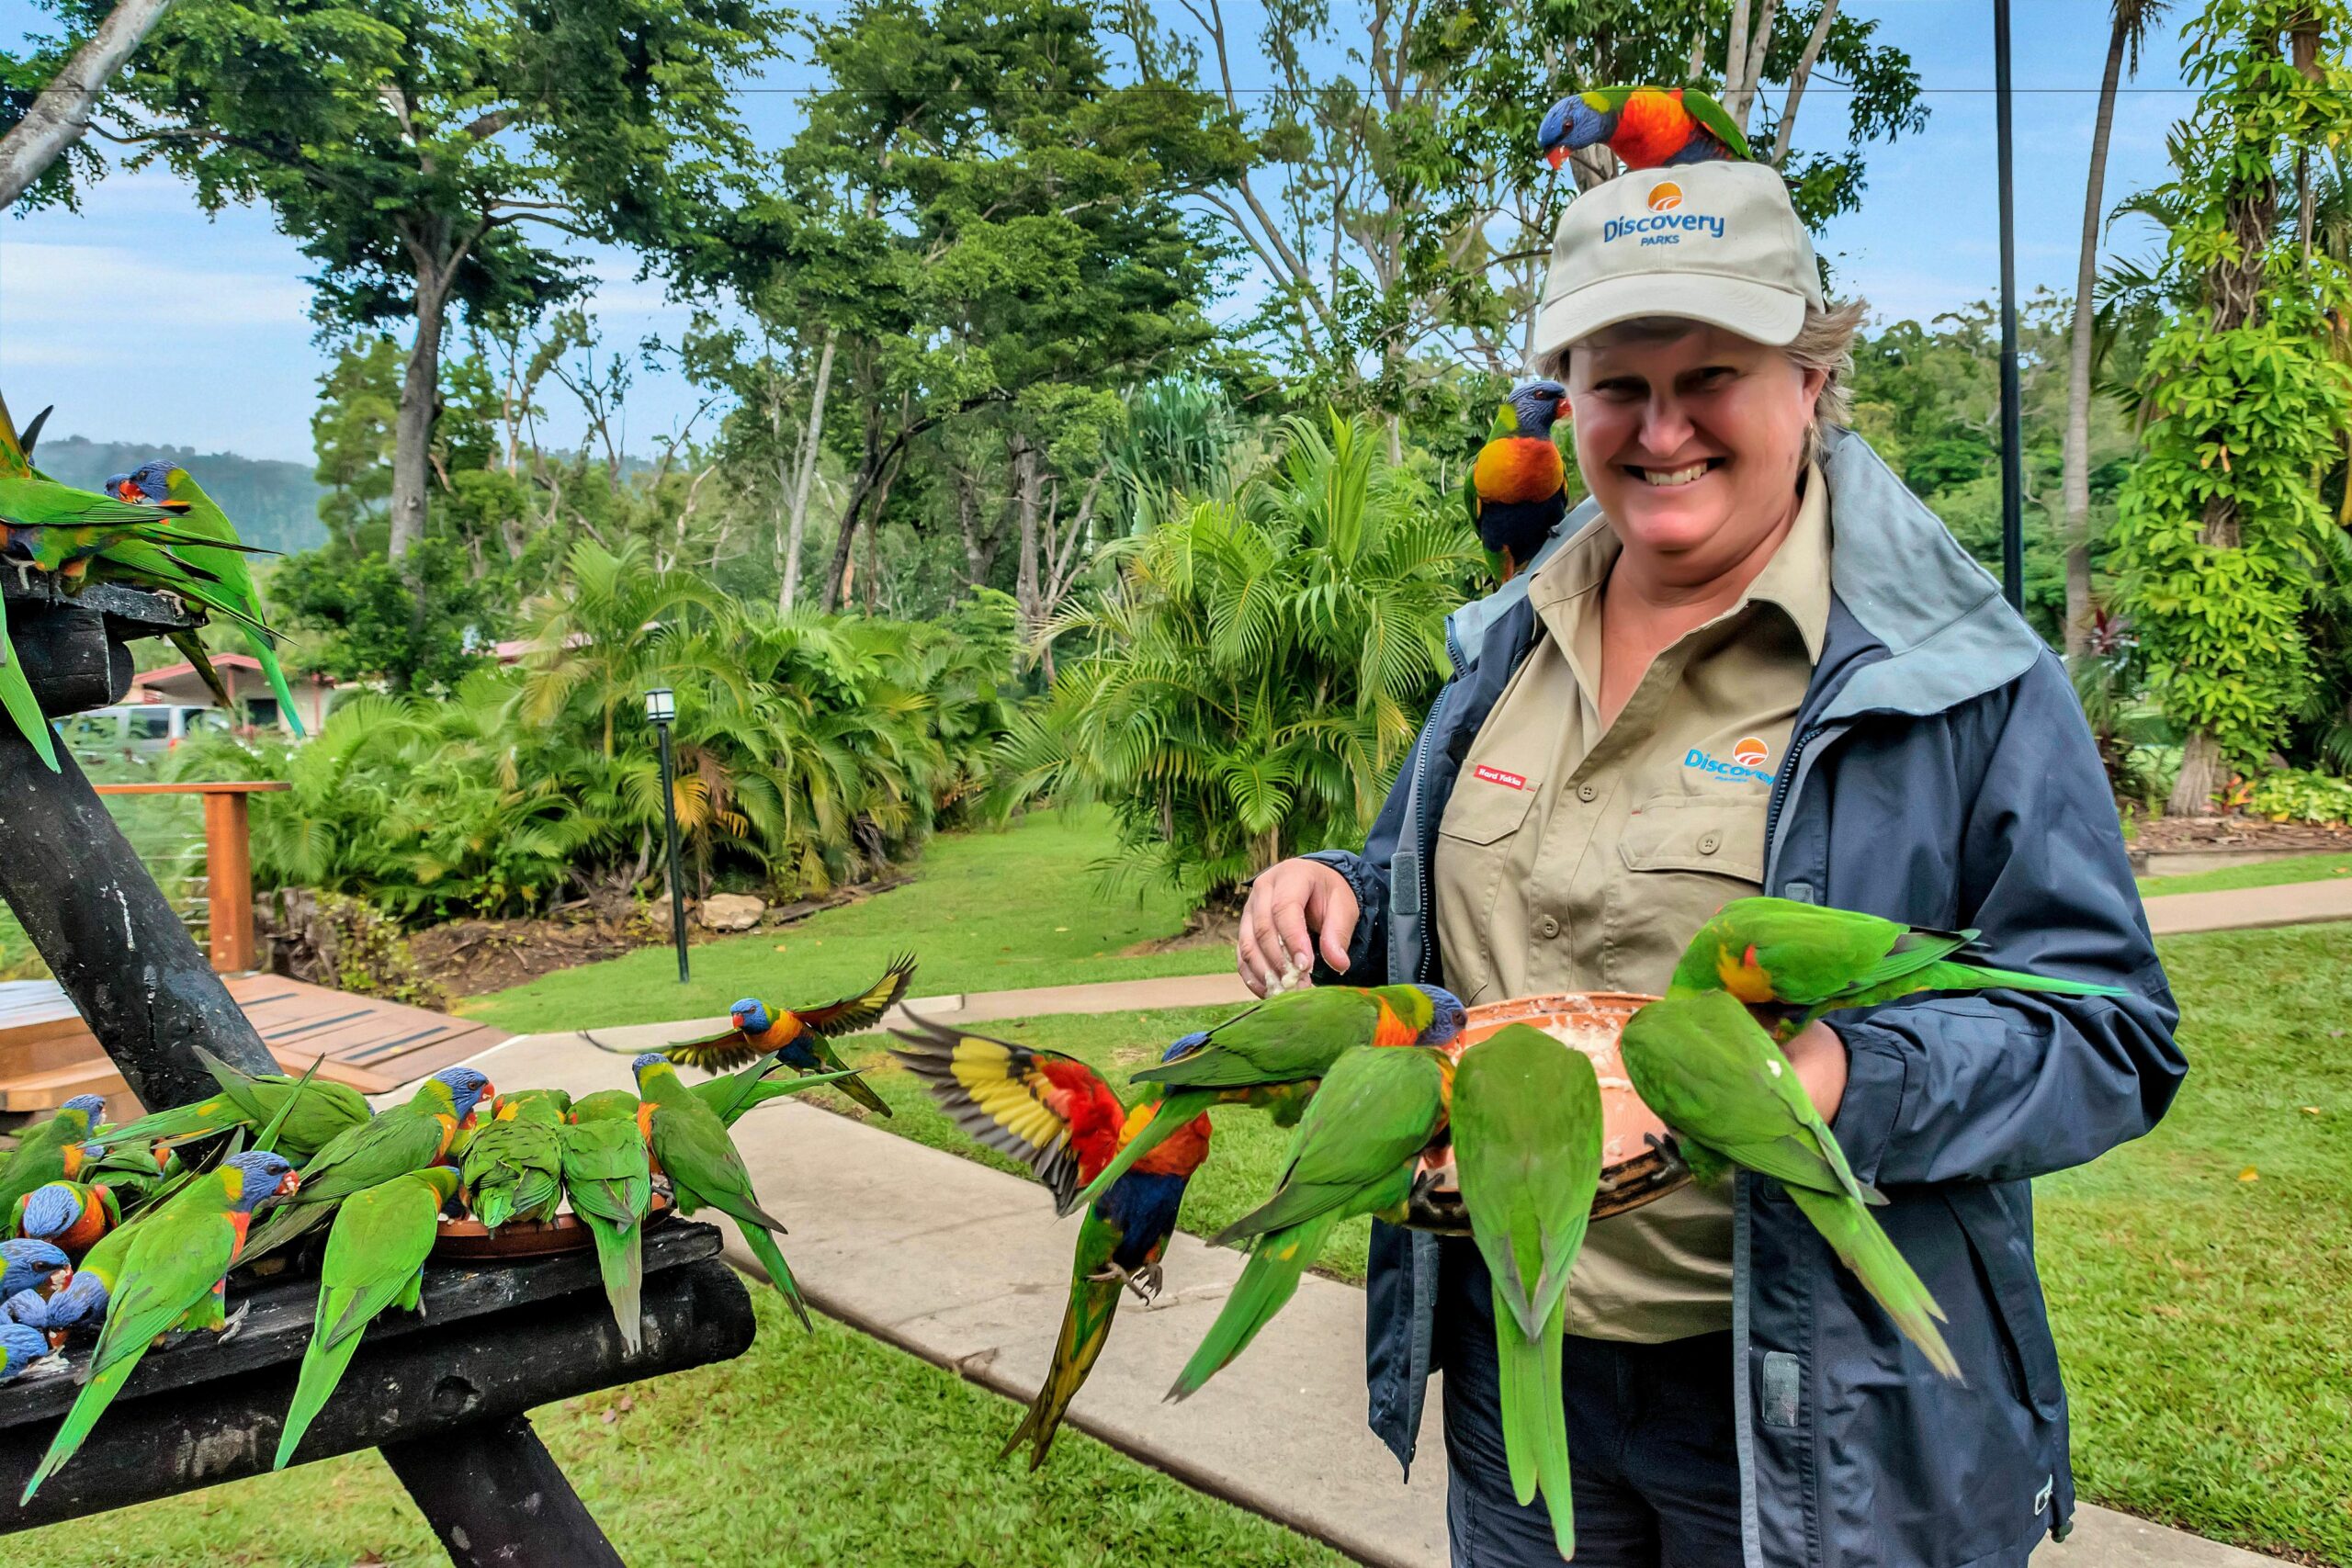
{"x": 1575, "y": 858}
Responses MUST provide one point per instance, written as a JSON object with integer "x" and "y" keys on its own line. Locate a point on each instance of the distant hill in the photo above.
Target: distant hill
{"x": 273, "y": 504}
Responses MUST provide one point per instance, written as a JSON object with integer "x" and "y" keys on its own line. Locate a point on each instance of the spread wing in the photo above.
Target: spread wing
{"x": 717, "y": 1053}
{"x": 1051, "y": 1111}
{"x": 864, "y": 1009}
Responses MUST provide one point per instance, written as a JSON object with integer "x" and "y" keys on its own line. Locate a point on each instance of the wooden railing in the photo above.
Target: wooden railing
{"x": 228, "y": 863}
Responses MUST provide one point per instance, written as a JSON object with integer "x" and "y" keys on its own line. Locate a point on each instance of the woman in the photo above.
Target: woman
{"x": 1753, "y": 662}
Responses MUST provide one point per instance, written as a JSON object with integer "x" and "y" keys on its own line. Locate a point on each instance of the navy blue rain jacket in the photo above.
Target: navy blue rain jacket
{"x": 1942, "y": 773}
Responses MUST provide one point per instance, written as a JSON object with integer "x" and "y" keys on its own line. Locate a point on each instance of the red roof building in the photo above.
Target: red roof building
{"x": 240, "y": 673}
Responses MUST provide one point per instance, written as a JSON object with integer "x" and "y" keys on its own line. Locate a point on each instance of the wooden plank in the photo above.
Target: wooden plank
{"x": 225, "y": 787}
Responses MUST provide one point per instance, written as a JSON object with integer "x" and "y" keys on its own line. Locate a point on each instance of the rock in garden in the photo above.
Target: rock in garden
{"x": 730, "y": 912}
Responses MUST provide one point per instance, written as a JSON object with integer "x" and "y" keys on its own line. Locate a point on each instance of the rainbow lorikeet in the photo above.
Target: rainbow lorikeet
{"x": 608, "y": 1176}
{"x": 54, "y": 1150}
{"x": 320, "y": 1110}
{"x": 31, "y": 1308}
{"x": 1270, "y": 1054}
{"x": 171, "y": 1277}
{"x": 514, "y": 1164}
{"x": 1065, "y": 1120}
{"x": 1716, "y": 1079}
{"x": 1806, "y": 960}
{"x": 1354, "y": 1153}
{"x": 735, "y": 1093}
{"x": 407, "y": 1137}
{"x": 375, "y": 1260}
{"x": 1517, "y": 489}
{"x": 29, "y": 1263}
{"x": 1647, "y": 127}
{"x": 233, "y": 580}
{"x": 797, "y": 1038}
{"x": 691, "y": 1147}
{"x": 1527, "y": 1151}
{"x": 21, "y": 1345}
{"x": 67, "y": 1215}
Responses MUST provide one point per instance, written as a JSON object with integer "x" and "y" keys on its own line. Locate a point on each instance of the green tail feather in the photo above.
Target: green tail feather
{"x": 1086, "y": 1327}
{"x": 1174, "y": 1114}
{"x": 494, "y": 1206}
{"x": 322, "y": 1367}
{"x": 771, "y": 1257}
{"x": 620, "y": 1258}
{"x": 1970, "y": 977}
{"x": 1535, "y": 1418}
{"x": 181, "y": 1123}
{"x": 191, "y": 648}
{"x": 17, "y": 696}
{"x": 267, "y": 658}
{"x": 96, "y": 1395}
{"x": 536, "y": 1194}
{"x": 1865, "y": 1248}
{"x": 1267, "y": 1283}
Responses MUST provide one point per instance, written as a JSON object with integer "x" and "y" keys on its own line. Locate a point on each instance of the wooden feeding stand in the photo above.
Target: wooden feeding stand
{"x": 444, "y": 1396}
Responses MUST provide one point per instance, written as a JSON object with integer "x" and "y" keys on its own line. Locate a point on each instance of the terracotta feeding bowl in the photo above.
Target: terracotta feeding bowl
{"x": 1633, "y": 1171}
{"x": 523, "y": 1239}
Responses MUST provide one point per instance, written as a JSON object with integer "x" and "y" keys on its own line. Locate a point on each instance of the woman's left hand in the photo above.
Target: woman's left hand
{"x": 1819, "y": 1057}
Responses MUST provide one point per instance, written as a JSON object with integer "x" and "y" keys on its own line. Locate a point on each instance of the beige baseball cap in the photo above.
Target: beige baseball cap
{"x": 1717, "y": 242}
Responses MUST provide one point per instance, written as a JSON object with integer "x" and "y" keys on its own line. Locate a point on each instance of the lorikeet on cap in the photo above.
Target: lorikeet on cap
{"x": 1647, "y": 127}
{"x": 1060, "y": 1116}
{"x": 1517, "y": 489}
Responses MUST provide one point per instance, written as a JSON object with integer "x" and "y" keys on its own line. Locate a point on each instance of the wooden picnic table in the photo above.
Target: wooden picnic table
{"x": 442, "y": 1396}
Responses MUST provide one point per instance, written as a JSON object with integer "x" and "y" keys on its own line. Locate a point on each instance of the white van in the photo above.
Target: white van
{"x": 138, "y": 729}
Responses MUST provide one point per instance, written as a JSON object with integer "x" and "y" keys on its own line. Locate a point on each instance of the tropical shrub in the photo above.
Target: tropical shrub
{"x": 2293, "y": 795}
{"x": 810, "y": 749}
{"x": 1255, "y": 667}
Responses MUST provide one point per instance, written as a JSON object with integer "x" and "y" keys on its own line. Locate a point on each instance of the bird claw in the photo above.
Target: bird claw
{"x": 234, "y": 1322}
{"x": 1144, "y": 1281}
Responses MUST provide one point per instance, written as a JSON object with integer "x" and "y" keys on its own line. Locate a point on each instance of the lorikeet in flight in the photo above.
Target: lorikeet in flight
{"x": 1806, "y": 960}
{"x": 20, "y": 1346}
{"x": 172, "y": 1276}
{"x": 1354, "y": 1153}
{"x": 738, "y": 1092}
{"x": 514, "y": 1164}
{"x": 1270, "y": 1054}
{"x": 1647, "y": 127}
{"x": 321, "y": 1110}
{"x": 691, "y": 1147}
{"x": 375, "y": 1260}
{"x": 1060, "y": 1116}
{"x": 1716, "y": 1079}
{"x": 407, "y": 1137}
{"x": 608, "y": 1176}
{"x": 233, "y": 580}
{"x": 29, "y": 1263}
{"x": 1517, "y": 490}
{"x": 1527, "y": 1151}
{"x": 798, "y": 1038}
{"x": 67, "y": 1215}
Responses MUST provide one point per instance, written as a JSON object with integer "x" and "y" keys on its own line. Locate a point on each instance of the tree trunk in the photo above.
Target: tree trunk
{"x": 811, "y": 444}
{"x": 1786, "y": 129}
{"x": 2200, "y": 776}
{"x": 61, "y": 116}
{"x": 420, "y": 395}
{"x": 2076, "y": 481}
{"x": 1027, "y": 587}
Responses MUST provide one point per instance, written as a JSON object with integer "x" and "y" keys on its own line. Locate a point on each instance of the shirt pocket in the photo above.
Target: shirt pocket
{"x": 1477, "y": 840}
{"x": 1680, "y": 859}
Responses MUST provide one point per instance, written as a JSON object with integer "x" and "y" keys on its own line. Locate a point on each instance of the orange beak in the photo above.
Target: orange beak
{"x": 59, "y": 1279}
{"x": 1556, "y": 156}
{"x": 290, "y": 1184}
{"x": 57, "y": 1339}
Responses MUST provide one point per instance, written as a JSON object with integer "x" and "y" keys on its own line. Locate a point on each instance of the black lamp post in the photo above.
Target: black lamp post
{"x": 2012, "y": 437}
{"x": 662, "y": 707}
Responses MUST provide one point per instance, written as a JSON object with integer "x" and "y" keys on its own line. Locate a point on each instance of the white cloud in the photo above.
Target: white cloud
{"x": 48, "y": 287}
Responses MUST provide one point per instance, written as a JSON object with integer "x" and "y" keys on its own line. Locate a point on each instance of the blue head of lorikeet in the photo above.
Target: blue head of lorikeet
{"x": 466, "y": 1088}
{"x": 751, "y": 1016}
{"x": 26, "y": 1309}
{"x": 21, "y": 1345}
{"x": 262, "y": 1175}
{"x": 149, "y": 483}
{"x": 1536, "y": 406}
{"x": 1447, "y": 1015}
{"x": 638, "y": 1064}
{"x": 50, "y": 1209}
{"x": 30, "y": 1262}
{"x": 84, "y": 1298}
{"x": 91, "y": 1105}
{"x": 1572, "y": 123}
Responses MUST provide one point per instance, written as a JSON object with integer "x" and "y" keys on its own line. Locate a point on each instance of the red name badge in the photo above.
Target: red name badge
{"x": 1496, "y": 776}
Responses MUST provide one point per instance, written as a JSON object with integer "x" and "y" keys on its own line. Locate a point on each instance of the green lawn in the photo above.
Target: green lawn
{"x": 2261, "y": 873}
{"x": 830, "y": 1449}
{"x": 990, "y": 911}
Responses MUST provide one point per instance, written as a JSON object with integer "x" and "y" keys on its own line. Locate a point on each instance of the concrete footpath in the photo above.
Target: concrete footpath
{"x": 968, "y": 1268}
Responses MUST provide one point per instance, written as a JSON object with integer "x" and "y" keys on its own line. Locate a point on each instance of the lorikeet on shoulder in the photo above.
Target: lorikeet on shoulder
{"x": 1065, "y": 1120}
{"x": 1647, "y": 127}
{"x": 1517, "y": 489}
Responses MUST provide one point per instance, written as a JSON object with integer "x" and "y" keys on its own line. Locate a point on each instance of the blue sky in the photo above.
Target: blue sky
{"x": 141, "y": 318}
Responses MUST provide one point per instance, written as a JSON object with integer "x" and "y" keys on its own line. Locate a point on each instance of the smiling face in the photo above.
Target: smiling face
{"x": 1692, "y": 442}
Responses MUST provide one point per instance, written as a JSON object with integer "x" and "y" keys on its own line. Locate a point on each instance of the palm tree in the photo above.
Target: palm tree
{"x": 2128, "y": 31}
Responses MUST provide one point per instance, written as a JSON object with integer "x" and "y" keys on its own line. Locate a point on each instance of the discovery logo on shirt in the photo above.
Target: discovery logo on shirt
{"x": 1749, "y": 755}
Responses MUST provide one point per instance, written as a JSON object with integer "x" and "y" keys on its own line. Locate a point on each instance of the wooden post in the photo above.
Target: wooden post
{"x": 228, "y": 881}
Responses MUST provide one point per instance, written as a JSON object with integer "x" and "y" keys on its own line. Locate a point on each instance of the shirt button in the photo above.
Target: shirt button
{"x": 1710, "y": 842}
{"x": 1550, "y": 926}
{"x": 1587, "y": 794}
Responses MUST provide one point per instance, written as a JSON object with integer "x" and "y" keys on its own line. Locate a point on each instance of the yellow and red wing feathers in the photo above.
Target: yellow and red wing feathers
{"x": 1051, "y": 1111}
{"x": 726, "y": 1051}
{"x": 1653, "y": 127}
{"x": 1518, "y": 467}
{"x": 864, "y": 1009}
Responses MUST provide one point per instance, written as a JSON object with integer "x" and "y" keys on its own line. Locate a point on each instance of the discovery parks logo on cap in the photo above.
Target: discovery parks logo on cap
{"x": 1718, "y": 244}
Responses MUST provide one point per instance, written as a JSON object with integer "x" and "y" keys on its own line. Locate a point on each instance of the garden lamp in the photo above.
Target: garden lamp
{"x": 662, "y": 707}
{"x": 2012, "y": 434}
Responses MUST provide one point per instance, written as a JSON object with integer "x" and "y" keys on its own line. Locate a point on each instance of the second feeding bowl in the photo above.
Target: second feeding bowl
{"x": 1639, "y": 1162}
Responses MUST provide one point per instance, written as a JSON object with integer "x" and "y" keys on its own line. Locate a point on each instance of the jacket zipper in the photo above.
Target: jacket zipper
{"x": 1782, "y": 785}
{"x": 1424, "y": 970}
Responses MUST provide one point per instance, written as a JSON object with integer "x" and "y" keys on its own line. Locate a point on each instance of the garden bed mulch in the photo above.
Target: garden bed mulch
{"x": 2177, "y": 835}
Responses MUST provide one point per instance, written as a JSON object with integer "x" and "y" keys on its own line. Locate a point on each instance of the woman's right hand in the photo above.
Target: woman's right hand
{"x": 1293, "y": 907}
